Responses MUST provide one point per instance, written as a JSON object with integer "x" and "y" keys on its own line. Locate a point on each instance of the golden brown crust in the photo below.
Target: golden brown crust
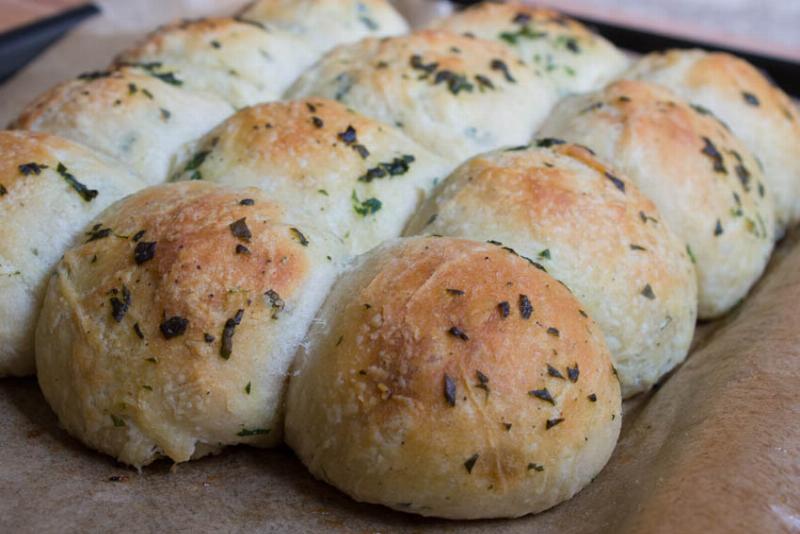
{"x": 576, "y": 59}
{"x": 563, "y": 208}
{"x": 324, "y": 24}
{"x": 240, "y": 62}
{"x": 177, "y": 320}
{"x": 360, "y": 178}
{"x": 139, "y": 116}
{"x": 49, "y": 189}
{"x": 443, "y": 403}
{"x": 758, "y": 112}
{"x": 456, "y": 95}
{"x": 706, "y": 184}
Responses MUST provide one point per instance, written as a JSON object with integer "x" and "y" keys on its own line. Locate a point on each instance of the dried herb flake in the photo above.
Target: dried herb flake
{"x": 449, "y": 390}
{"x": 470, "y": 463}
{"x": 226, "y": 348}
{"x": 525, "y": 307}
{"x": 173, "y": 327}
{"x": 542, "y": 394}
{"x": 144, "y": 251}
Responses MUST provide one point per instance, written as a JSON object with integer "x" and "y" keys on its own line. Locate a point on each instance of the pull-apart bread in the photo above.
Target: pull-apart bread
{"x": 50, "y": 188}
{"x": 706, "y": 184}
{"x": 359, "y": 179}
{"x": 169, "y": 333}
{"x": 757, "y": 112}
{"x": 139, "y": 115}
{"x": 576, "y": 59}
{"x": 241, "y": 62}
{"x": 575, "y": 218}
{"x": 324, "y": 24}
{"x": 453, "y": 378}
{"x": 456, "y": 95}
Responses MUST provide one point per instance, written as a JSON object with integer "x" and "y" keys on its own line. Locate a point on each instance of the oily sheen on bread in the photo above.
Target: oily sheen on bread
{"x": 706, "y": 184}
{"x": 241, "y": 62}
{"x": 564, "y": 209}
{"x": 169, "y": 332}
{"x": 452, "y": 378}
{"x": 758, "y": 113}
{"x": 360, "y": 179}
{"x": 324, "y": 24}
{"x": 49, "y": 189}
{"x": 140, "y": 116}
{"x": 456, "y": 95}
{"x": 576, "y": 59}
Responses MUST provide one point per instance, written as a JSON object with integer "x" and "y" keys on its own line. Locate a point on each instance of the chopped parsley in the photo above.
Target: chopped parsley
{"x": 470, "y": 463}
{"x": 173, "y": 327}
{"x": 542, "y": 394}
{"x": 525, "y": 307}
{"x": 144, "y": 251}
{"x": 449, "y": 390}
{"x": 240, "y": 230}
{"x": 457, "y": 332}
{"x": 396, "y": 167}
{"x": 365, "y": 207}
{"x": 298, "y": 236}
{"x": 86, "y": 194}
{"x": 226, "y": 348}
{"x": 119, "y": 307}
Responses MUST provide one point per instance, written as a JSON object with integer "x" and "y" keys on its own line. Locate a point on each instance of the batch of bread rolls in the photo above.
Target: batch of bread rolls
{"x": 433, "y": 263}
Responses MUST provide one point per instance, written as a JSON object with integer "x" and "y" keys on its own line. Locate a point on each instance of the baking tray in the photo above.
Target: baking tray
{"x": 713, "y": 448}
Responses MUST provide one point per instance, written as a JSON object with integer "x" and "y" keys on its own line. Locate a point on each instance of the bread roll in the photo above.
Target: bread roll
{"x": 758, "y": 113}
{"x": 243, "y": 63}
{"x": 706, "y": 184}
{"x": 323, "y": 24}
{"x": 456, "y": 95}
{"x": 49, "y": 189}
{"x": 451, "y": 378}
{"x": 361, "y": 180}
{"x": 576, "y": 59}
{"x": 172, "y": 335}
{"x": 142, "y": 117}
{"x": 567, "y": 211}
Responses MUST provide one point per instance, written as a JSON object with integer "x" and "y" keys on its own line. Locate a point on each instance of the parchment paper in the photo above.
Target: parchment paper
{"x": 715, "y": 449}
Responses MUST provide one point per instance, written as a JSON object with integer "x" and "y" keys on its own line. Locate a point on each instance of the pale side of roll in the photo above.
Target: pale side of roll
{"x": 575, "y": 58}
{"x": 170, "y": 330}
{"x": 142, "y": 117}
{"x": 49, "y": 189}
{"x": 758, "y": 112}
{"x": 241, "y": 62}
{"x": 564, "y": 209}
{"x": 456, "y": 95}
{"x": 706, "y": 184}
{"x": 454, "y": 379}
{"x": 324, "y": 24}
{"x": 360, "y": 179}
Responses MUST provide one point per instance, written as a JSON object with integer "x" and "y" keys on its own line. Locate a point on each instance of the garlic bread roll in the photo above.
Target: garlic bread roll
{"x": 360, "y": 179}
{"x": 758, "y": 113}
{"x": 169, "y": 332}
{"x": 241, "y": 62}
{"x": 49, "y": 189}
{"x": 456, "y": 95}
{"x": 142, "y": 117}
{"x": 323, "y": 24}
{"x": 452, "y": 378}
{"x": 706, "y": 184}
{"x": 576, "y": 59}
{"x": 569, "y": 212}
